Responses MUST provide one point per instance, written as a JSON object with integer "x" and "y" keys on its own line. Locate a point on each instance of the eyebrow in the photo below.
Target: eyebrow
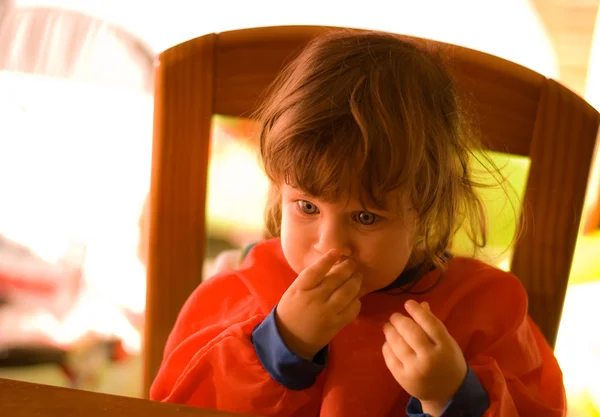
{"x": 359, "y": 207}
{"x": 301, "y": 193}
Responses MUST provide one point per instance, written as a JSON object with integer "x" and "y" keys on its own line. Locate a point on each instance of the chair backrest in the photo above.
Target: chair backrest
{"x": 519, "y": 112}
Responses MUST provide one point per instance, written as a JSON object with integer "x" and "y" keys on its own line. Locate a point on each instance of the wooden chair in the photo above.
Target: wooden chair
{"x": 26, "y": 399}
{"x": 520, "y": 112}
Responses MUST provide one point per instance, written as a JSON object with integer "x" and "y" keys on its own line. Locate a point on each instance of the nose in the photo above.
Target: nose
{"x": 333, "y": 235}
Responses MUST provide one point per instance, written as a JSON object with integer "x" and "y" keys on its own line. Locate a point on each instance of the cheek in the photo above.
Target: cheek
{"x": 289, "y": 228}
{"x": 295, "y": 242}
{"x": 387, "y": 258}
{"x": 388, "y": 255}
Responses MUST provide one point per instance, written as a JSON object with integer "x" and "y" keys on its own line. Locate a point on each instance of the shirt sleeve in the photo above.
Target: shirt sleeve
{"x": 504, "y": 348}
{"x": 471, "y": 400}
{"x": 210, "y": 360}
{"x": 284, "y": 366}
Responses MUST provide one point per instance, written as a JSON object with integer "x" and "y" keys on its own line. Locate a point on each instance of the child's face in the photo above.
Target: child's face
{"x": 379, "y": 242}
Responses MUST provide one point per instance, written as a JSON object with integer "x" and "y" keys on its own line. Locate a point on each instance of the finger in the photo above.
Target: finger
{"x": 422, "y": 315}
{"x": 397, "y": 343}
{"x": 350, "y": 312}
{"x": 411, "y": 332}
{"x": 345, "y": 292}
{"x": 394, "y": 364}
{"x": 337, "y": 277}
{"x": 315, "y": 273}
{"x": 343, "y": 268}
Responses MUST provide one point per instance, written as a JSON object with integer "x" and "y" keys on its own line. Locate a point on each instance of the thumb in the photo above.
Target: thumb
{"x": 315, "y": 273}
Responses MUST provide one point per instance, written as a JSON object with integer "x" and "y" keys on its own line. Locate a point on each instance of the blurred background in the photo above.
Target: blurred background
{"x": 76, "y": 86}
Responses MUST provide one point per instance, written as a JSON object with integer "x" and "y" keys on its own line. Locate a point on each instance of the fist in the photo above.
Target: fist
{"x": 318, "y": 304}
{"x": 423, "y": 357}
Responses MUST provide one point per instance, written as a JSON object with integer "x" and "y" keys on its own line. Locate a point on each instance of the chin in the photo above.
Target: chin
{"x": 297, "y": 267}
{"x": 365, "y": 291}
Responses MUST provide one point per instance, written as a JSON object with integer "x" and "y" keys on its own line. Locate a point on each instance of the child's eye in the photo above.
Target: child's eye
{"x": 366, "y": 218}
{"x": 307, "y": 207}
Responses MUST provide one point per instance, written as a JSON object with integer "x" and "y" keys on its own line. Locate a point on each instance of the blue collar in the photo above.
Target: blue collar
{"x": 411, "y": 276}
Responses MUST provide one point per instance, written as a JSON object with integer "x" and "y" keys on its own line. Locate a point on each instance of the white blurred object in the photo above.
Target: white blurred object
{"x": 592, "y": 85}
{"x": 75, "y": 147}
{"x": 583, "y": 356}
{"x": 511, "y": 29}
{"x": 31, "y": 282}
{"x": 92, "y": 189}
{"x": 71, "y": 45}
{"x": 592, "y": 95}
{"x": 578, "y": 343}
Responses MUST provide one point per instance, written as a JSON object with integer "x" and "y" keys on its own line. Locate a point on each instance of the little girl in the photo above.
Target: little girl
{"x": 355, "y": 307}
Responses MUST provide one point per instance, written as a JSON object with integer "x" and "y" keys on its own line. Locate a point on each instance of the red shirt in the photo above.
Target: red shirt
{"x": 210, "y": 360}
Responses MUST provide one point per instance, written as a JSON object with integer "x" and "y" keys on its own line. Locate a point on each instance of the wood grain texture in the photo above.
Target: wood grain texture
{"x": 517, "y": 111}
{"x": 23, "y": 399}
{"x": 182, "y": 123}
{"x": 561, "y": 155}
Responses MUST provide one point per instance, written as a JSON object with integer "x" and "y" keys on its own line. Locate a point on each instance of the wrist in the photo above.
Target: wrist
{"x": 433, "y": 408}
{"x": 294, "y": 343}
{"x": 299, "y": 348}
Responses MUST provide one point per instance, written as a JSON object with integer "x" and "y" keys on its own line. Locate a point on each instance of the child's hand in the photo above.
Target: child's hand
{"x": 423, "y": 357}
{"x": 319, "y": 303}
